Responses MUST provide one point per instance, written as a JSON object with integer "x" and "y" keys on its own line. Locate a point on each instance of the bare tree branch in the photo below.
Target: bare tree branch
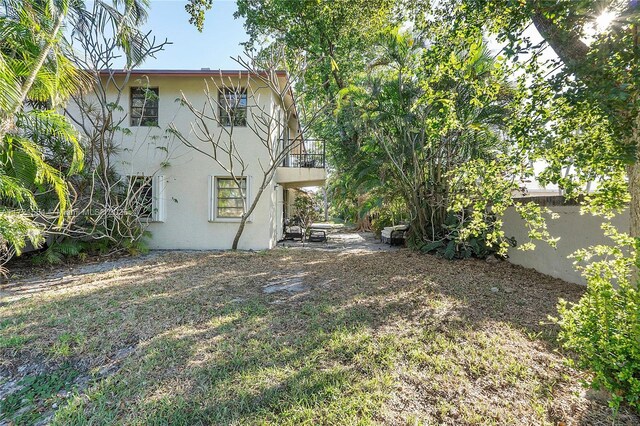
{"x": 266, "y": 118}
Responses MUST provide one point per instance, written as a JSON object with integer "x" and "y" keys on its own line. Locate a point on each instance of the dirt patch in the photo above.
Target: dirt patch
{"x": 290, "y": 283}
{"x": 26, "y": 279}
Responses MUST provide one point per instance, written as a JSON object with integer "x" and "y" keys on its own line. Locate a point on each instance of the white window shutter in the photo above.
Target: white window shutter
{"x": 212, "y": 198}
{"x": 158, "y": 185}
{"x": 249, "y": 195}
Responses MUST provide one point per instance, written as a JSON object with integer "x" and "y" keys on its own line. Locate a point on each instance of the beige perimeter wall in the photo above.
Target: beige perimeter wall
{"x": 575, "y": 231}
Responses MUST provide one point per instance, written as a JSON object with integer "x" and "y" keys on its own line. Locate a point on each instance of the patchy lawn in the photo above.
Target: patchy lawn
{"x": 350, "y": 338}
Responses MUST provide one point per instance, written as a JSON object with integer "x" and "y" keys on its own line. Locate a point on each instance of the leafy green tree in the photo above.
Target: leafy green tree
{"x": 333, "y": 34}
{"x": 580, "y": 113}
{"x": 593, "y": 81}
{"x": 422, "y": 113}
{"x": 335, "y": 39}
{"x": 196, "y": 10}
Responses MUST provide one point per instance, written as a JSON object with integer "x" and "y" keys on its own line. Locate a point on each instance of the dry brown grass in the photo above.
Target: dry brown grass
{"x": 386, "y": 337}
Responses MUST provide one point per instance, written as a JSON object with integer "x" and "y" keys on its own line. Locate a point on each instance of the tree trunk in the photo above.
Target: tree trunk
{"x": 567, "y": 45}
{"x": 326, "y": 204}
{"x": 236, "y": 239}
{"x": 633, "y": 173}
{"x": 363, "y": 223}
{"x": 254, "y": 203}
{"x": 634, "y": 205}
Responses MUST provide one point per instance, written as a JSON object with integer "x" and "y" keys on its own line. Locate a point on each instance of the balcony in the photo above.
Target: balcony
{"x": 307, "y": 153}
{"x": 304, "y": 165}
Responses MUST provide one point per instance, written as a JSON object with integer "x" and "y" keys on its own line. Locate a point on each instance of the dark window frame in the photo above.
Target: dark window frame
{"x": 147, "y": 114}
{"x": 233, "y": 99}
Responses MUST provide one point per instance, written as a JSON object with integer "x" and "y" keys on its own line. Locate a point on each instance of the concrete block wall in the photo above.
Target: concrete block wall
{"x": 575, "y": 231}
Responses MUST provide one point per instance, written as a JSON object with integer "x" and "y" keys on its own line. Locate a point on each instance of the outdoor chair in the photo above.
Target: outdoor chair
{"x": 317, "y": 235}
{"x": 293, "y": 230}
{"x": 394, "y": 235}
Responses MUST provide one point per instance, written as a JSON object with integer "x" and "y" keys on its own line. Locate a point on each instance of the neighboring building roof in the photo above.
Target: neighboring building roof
{"x": 552, "y": 200}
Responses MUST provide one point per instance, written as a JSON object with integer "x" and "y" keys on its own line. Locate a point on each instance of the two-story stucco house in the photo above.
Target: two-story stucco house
{"x": 193, "y": 204}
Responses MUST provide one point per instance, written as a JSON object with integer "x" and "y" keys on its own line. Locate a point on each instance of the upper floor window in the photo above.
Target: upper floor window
{"x": 233, "y": 107}
{"x": 144, "y": 106}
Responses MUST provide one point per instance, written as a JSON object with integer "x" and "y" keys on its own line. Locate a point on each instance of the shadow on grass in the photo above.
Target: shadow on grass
{"x": 375, "y": 338}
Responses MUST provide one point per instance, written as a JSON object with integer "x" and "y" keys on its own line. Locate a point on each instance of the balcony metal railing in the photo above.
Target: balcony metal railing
{"x": 307, "y": 153}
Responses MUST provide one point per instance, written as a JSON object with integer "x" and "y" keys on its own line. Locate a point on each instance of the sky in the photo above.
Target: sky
{"x": 213, "y": 48}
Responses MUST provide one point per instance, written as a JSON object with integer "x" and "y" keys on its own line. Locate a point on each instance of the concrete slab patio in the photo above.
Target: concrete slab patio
{"x": 341, "y": 238}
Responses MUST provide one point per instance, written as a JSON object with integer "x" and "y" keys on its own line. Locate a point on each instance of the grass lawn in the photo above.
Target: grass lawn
{"x": 372, "y": 338}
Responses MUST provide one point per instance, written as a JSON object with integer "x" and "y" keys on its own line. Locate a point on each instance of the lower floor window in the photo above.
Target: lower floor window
{"x": 141, "y": 196}
{"x": 231, "y": 195}
{"x": 145, "y": 194}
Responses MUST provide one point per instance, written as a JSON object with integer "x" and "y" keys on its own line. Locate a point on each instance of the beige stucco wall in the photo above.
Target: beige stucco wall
{"x": 186, "y": 173}
{"x": 575, "y": 231}
{"x": 300, "y": 176}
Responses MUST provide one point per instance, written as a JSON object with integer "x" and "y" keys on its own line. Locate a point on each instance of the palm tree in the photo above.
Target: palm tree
{"x": 422, "y": 113}
{"x": 37, "y": 74}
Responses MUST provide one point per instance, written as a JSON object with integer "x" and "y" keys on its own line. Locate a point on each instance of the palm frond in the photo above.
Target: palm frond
{"x": 9, "y": 85}
{"x": 45, "y": 174}
{"x": 50, "y": 124}
{"x": 12, "y": 188}
{"x": 127, "y": 26}
{"x": 16, "y": 229}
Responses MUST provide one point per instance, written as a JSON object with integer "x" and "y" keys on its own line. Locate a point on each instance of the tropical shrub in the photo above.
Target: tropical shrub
{"x": 456, "y": 244}
{"x": 603, "y": 327}
{"x": 35, "y": 76}
{"x": 390, "y": 212}
{"x": 305, "y": 210}
{"x": 62, "y": 249}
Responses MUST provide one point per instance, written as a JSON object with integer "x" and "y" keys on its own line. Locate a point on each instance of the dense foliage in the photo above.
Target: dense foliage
{"x": 335, "y": 40}
{"x": 35, "y": 76}
{"x": 422, "y": 115}
{"x": 41, "y": 152}
{"x": 580, "y": 115}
